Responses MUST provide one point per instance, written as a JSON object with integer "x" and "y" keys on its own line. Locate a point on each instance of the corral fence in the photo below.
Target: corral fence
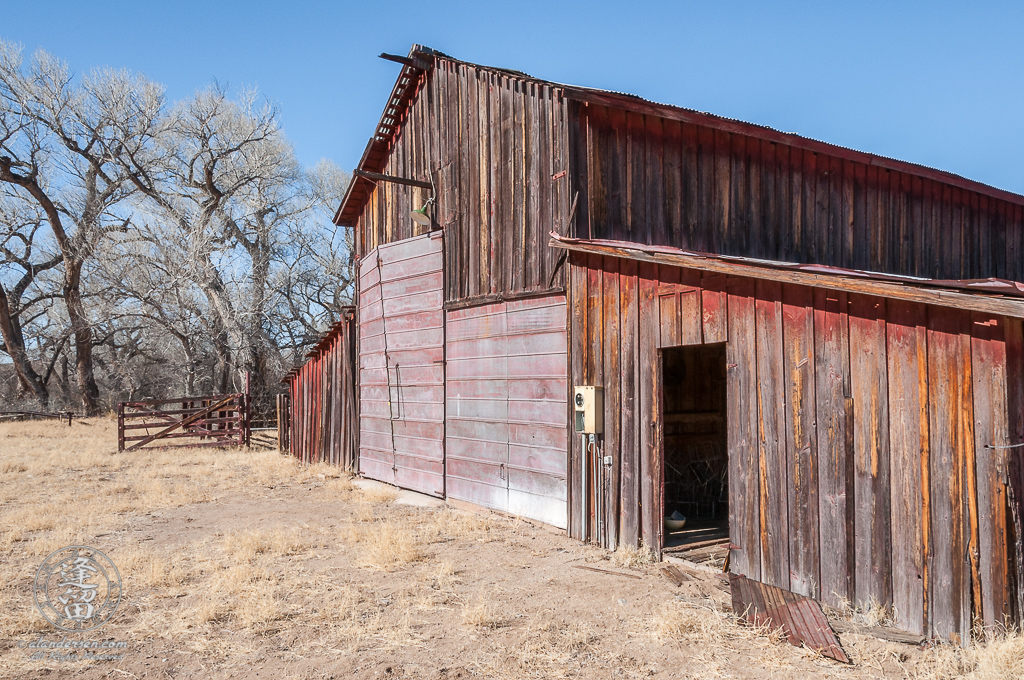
{"x": 35, "y": 415}
{"x": 216, "y": 420}
{"x": 263, "y": 428}
{"x": 317, "y": 415}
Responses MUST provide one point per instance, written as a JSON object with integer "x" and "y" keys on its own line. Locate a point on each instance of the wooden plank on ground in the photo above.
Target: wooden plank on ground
{"x": 881, "y": 632}
{"x": 674, "y": 574}
{"x": 606, "y": 571}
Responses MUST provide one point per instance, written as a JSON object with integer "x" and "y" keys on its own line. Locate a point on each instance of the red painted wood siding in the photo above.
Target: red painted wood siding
{"x": 401, "y": 364}
{"x": 506, "y": 409}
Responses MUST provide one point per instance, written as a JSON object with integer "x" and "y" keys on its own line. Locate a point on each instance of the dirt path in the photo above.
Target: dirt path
{"x": 240, "y": 564}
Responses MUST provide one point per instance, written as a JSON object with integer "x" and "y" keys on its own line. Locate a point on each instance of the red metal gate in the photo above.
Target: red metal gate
{"x": 506, "y": 407}
{"x": 218, "y": 420}
{"x": 401, "y": 364}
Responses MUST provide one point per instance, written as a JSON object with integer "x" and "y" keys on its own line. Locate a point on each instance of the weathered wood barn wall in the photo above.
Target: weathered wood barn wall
{"x": 861, "y": 405}
{"x": 666, "y": 176}
{"x": 859, "y": 428}
{"x": 858, "y": 425}
{"x": 321, "y": 400}
{"x": 492, "y": 146}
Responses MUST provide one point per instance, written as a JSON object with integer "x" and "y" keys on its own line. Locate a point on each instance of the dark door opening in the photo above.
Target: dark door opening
{"x": 695, "y": 450}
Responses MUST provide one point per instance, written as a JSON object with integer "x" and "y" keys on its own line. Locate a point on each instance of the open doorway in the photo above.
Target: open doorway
{"x": 695, "y": 450}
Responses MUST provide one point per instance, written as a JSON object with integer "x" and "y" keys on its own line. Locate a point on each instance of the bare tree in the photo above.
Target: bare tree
{"x": 228, "y": 182}
{"x": 314, "y": 276}
{"x": 59, "y": 142}
{"x": 22, "y": 259}
{"x": 175, "y": 249}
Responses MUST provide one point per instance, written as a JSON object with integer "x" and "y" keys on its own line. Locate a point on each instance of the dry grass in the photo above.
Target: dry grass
{"x": 874, "y": 614}
{"x": 370, "y": 581}
{"x": 385, "y": 545}
{"x": 704, "y": 623}
{"x": 483, "y": 612}
{"x": 556, "y": 649}
{"x": 632, "y": 558}
{"x": 995, "y": 658}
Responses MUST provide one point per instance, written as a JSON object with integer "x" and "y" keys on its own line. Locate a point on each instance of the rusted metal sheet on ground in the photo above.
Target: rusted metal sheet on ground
{"x": 401, "y": 364}
{"x": 505, "y": 418}
{"x": 800, "y": 618}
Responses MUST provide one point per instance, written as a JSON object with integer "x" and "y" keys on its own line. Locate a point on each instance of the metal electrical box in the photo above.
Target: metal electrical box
{"x": 588, "y": 407}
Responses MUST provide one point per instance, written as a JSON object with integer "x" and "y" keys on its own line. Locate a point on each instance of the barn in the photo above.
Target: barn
{"x": 814, "y": 351}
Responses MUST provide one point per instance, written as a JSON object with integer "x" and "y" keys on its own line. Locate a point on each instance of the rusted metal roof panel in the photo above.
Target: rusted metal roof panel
{"x": 992, "y": 296}
{"x": 401, "y": 364}
{"x": 799, "y": 617}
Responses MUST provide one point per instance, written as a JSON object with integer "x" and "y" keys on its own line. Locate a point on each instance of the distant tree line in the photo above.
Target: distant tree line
{"x": 150, "y": 248}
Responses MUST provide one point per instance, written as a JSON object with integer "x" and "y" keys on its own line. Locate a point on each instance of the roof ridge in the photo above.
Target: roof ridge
{"x": 638, "y": 104}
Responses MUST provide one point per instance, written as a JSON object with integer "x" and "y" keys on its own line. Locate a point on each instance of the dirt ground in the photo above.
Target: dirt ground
{"x": 243, "y": 564}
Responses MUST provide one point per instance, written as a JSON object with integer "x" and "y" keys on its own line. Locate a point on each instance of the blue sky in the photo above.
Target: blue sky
{"x": 936, "y": 83}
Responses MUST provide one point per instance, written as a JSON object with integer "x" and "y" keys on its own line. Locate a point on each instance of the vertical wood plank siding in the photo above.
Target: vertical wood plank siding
{"x": 661, "y": 182}
{"x": 322, "y": 400}
{"x": 496, "y": 149}
{"x": 858, "y": 430}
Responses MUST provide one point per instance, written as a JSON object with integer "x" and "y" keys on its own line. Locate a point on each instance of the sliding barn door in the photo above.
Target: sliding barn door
{"x": 401, "y": 364}
{"x": 506, "y": 407}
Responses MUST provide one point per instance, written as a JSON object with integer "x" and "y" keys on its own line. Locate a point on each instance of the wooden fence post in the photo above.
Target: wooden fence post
{"x": 120, "y": 426}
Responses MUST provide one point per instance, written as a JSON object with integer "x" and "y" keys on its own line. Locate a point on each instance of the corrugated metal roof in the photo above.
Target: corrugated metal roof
{"x": 995, "y": 296}
{"x": 376, "y": 154}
